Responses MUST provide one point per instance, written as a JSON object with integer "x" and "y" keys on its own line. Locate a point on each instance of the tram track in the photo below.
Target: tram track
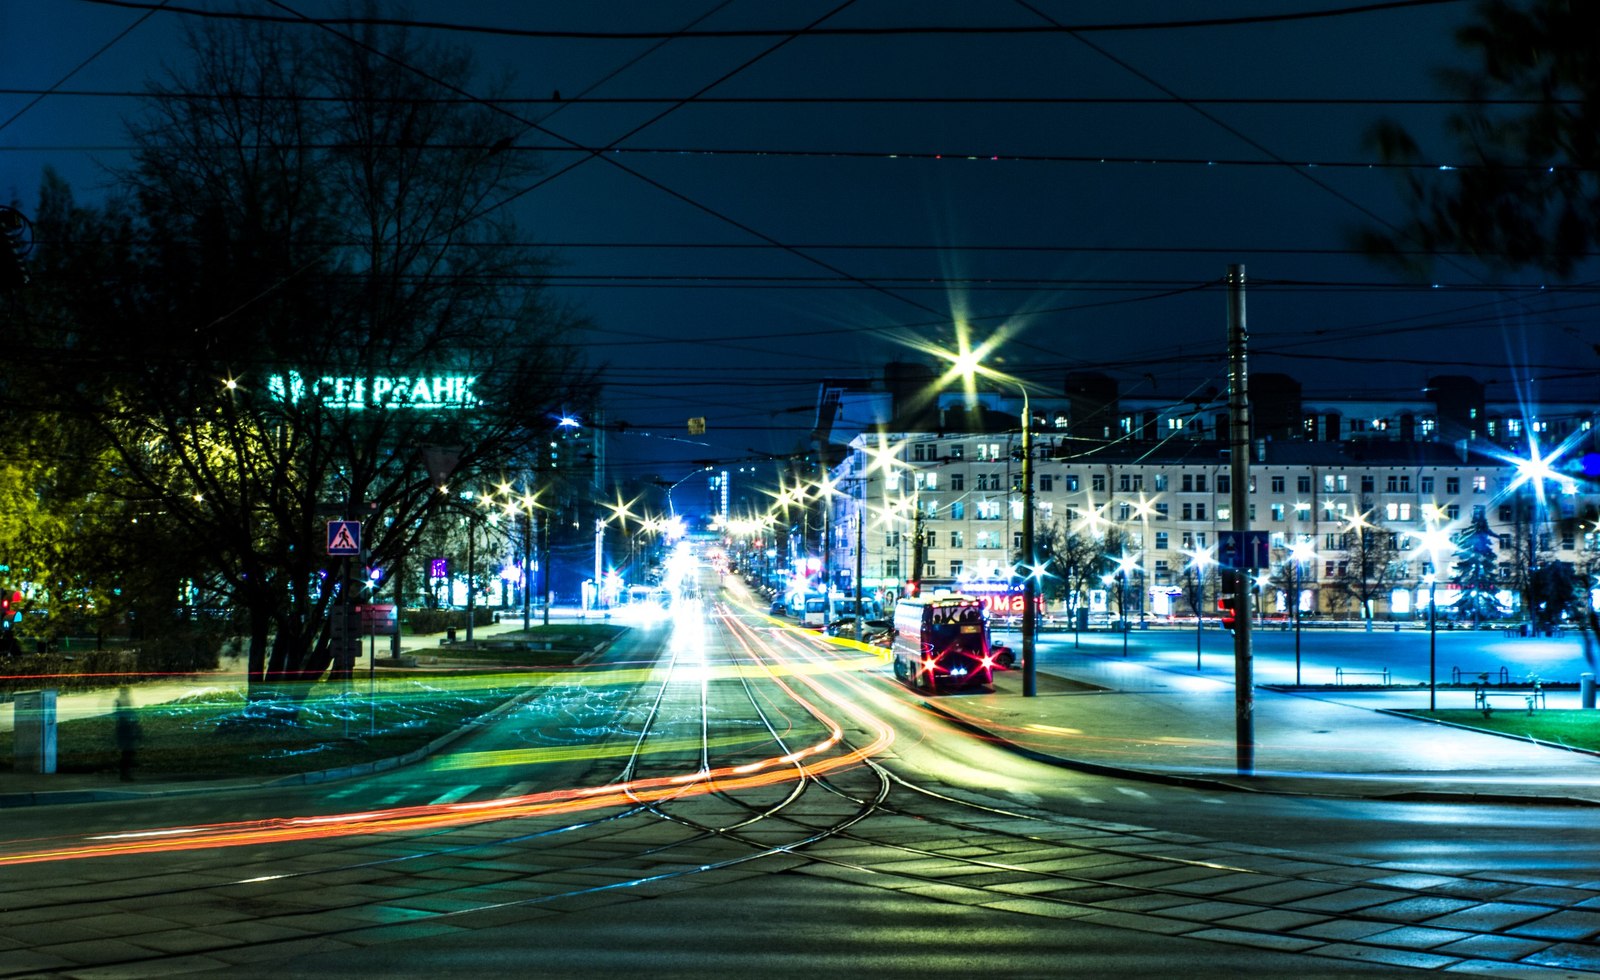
{"x": 617, "y": 833}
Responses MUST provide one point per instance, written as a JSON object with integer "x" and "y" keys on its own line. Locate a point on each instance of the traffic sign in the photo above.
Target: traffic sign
{"x": 379, "y": 619}
{"x": 1243, "y": 549}
{"x": 344, "y": 538}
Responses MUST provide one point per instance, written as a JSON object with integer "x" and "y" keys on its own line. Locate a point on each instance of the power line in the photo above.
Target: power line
{"x": 823, "y": 100}
{"x": 41, "y": 94}
{"x": 899, "y": 155}
{"x": 738, "y": 33}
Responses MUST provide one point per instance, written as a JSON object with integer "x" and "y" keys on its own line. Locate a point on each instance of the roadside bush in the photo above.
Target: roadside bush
{"x": 439, "y": 620}
{"x": 179, "y": 653}
{"x": 68, "y": 672}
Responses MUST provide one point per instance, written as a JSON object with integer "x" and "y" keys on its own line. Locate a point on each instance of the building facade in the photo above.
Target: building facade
{"x": 1129, "y": 515}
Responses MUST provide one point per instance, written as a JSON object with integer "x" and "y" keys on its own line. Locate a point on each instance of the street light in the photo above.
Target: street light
{"x": 1125, "y": 564}
{"x": 1433, "y": 541}
{"x": 620, "y": 513}
{"x": 1299, "y": 554}
{"x": 1199, "y": 560}
{"x": 968, "y": 364}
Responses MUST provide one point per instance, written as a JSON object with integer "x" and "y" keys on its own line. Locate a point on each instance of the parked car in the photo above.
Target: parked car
{"x": 871, "y": 629}
{"x": 777, "y": 608}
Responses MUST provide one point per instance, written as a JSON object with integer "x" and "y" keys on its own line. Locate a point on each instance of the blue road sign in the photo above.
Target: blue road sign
{"x": 1243, "y": 549}
{"x": 344, "y": 538}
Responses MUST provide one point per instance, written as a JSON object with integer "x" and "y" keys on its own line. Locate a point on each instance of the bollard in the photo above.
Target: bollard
{"x": 34, "y": 735}
{"x": 1586, "y": 689}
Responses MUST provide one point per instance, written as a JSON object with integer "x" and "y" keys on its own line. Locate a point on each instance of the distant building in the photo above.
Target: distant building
{"x": 1356, "y": 482}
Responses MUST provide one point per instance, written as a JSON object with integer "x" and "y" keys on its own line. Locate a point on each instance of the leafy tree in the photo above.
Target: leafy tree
{"x": 1477, "y": 567}
{"x": 1523, "y": 184}
{"x": 303, "y": 208}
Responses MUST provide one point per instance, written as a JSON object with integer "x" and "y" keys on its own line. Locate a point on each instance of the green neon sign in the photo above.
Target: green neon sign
{"x": 422, "y": 392}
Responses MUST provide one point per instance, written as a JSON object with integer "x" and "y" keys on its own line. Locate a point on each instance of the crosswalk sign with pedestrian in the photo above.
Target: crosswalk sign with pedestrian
{"x": 344, "y": 538}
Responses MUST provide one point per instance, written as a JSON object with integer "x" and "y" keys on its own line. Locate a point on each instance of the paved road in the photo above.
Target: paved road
{"x": 948, "y": 857}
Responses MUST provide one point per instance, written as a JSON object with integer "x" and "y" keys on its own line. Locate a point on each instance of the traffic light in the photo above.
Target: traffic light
{"x": 1228, "y": 595}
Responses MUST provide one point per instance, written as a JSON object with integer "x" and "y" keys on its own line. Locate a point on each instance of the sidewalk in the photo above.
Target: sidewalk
{"x": 1103, "y": 714}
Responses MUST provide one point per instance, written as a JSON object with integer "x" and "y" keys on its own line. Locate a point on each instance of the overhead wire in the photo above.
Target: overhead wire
{"x": 743, "y": 33}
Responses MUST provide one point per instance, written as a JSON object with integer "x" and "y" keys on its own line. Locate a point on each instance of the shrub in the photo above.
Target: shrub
{"x": 439, "y": 620}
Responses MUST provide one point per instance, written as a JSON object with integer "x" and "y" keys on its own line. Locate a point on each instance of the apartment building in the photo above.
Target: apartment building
{"x": 1147, "y": 496}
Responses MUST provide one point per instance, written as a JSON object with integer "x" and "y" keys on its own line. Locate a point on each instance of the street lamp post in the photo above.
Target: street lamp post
{"x": 1125, "y": 564}
{"x": 968, "y": 364}
{"x": 1122, "y": 606}
{"x": 1433, "y": 640}
{"x": 1434, "y": 540}
{"x": 1199, "y": 559}
{"x": 1299, "y": 554}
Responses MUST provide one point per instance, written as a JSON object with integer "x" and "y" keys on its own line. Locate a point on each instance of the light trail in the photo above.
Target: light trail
{"x": 807, "y": 762}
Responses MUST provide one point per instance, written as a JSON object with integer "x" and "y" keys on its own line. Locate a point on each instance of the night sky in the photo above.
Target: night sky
{"x": 1082, "y": 189}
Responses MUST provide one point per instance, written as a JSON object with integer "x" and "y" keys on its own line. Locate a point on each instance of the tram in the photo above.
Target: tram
{"x": 941, "y": 642}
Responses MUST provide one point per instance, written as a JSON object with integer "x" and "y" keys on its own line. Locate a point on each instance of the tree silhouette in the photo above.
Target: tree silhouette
{"x": 1520, "y": 186}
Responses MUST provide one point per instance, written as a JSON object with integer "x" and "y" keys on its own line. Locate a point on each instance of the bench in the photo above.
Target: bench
{"x": 1533, "y": 697}
{"x": 1503, "y": 674}
{"x": 1339, "y": 674}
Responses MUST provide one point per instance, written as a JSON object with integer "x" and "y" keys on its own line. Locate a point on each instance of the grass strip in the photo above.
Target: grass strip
{"x": 1572, "y": 727}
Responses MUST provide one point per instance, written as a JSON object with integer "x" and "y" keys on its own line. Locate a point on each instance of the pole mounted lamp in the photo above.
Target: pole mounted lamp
{"x": 1299, "y": 554}
{"x": 1433, "y": 542}
{"x": 1126, "y": 564}
{"x": 1199, "y": 560}
{"x": 968, "y": 364}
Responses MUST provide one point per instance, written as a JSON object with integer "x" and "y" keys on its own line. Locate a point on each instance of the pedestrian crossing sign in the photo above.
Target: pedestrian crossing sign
{"x": 344, "y": 538}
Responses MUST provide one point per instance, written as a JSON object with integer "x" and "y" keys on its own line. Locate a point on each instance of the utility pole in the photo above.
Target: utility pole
{"x": 1030, "y": 585}
{"x": 915, "y": 578}
{"x": 1244, "y": 703}
{"x": 861, "y": 542}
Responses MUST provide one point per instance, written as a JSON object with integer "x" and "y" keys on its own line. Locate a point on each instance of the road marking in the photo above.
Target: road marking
{"x": 455, "y": 794}
{"x": 1136, "y": 793}
{"x": 521, "y": 789}
{"x": 1091, "y": 800}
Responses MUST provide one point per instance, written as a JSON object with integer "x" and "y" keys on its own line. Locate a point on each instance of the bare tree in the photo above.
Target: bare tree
{"x": 1369, "y": 566}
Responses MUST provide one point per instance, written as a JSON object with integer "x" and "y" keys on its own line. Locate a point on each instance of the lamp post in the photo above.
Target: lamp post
{"x": 1535, "y": 470}
{"x": 1199, "y": 560}
{"x": 967, "y": 364}
{"x": 1433, "y": 541}
{"x": 1299, "y": 554}
{"x": 1125, "y": 564}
